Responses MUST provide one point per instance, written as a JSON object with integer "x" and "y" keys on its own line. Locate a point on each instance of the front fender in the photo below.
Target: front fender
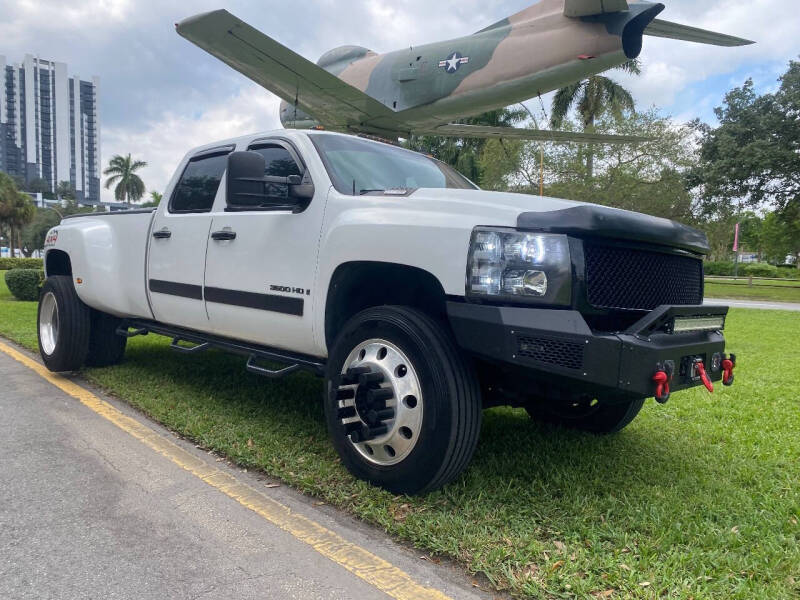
{"x": 437, "y": 244}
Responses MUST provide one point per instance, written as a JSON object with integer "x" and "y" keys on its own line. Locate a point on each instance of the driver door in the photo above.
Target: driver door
{"x": 261, "y": 264}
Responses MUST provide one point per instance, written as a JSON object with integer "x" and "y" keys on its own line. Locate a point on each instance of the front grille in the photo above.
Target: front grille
{"x": 552, "y": 352}
{"x": 634, "y": 279}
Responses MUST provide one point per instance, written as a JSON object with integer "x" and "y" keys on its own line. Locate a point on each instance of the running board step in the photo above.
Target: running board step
{"x": 252, "y": 367}
{"x": 204, "y": 341}
{"x": 125, "y": 331}
{"x": 175, "y": 345}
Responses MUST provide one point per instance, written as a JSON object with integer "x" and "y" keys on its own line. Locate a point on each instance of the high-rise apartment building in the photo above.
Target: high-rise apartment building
{"x": 50, "y": 126}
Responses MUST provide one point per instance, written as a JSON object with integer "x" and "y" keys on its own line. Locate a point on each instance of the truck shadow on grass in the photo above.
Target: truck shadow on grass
{"x": 212, "y": 400}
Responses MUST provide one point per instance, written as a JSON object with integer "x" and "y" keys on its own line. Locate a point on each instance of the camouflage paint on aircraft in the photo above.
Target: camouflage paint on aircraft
{"x": 424, "y": 89}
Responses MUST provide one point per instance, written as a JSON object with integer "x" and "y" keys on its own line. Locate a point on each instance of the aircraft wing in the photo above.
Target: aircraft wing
{"x": 542, "y": 135}
{"x": 587, "y": 8}
{"x": 675, "y": 31}
{"x": 330, "y": 100}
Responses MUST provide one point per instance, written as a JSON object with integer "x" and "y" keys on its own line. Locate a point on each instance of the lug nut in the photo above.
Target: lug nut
{"x": 379, "y": 395}
{"x": 347, "y": 412}
{"x": 352, "y": 375}
{"x": 345, "y": 394}
{"x": 368, "y": 378}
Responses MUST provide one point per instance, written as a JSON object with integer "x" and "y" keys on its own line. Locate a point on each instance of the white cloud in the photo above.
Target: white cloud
{"x": 670, "y": 67}
{"x": 160, "y": 95}
{"x": 164, "y": 142}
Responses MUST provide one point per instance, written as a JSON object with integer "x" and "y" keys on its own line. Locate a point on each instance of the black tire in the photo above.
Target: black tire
{"x": 106, "y": 348}
{"x": 591, "y": 416}
{"x": 450, "y": 421}
{"x": 66, "y": 349}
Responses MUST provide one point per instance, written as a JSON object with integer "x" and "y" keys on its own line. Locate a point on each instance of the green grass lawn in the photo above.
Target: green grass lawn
{"x": 697, "y": 499}
{"x": 780, "y": 292}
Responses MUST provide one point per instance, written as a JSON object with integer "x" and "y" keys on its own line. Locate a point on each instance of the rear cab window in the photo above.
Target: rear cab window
{"x": 198, "y": 185}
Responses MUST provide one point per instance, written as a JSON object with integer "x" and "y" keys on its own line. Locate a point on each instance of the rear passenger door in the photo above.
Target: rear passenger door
{"x": 176, "y": 261}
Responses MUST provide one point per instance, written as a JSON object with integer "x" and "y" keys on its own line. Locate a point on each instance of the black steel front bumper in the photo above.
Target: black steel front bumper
{"x": 558, "y": 344}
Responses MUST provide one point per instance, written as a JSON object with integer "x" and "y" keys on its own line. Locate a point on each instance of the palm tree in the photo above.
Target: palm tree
{"x": 17, "y": 210}
{"x": 593, "y": 98}
{"x": 122, "y": 170}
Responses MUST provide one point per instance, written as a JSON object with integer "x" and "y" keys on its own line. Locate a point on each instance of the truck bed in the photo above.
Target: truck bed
{"x": 108, "y": 258}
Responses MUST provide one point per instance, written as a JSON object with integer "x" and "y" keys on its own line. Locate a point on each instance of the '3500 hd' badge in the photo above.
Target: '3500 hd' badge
{"x": 51, "y": 238}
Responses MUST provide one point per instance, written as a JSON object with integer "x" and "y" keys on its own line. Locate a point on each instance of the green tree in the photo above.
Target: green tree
{"x": 155, "y": 200}
{"x": 38, "y": 185}
{"x": 65, "y": 191}
{"x": 464, "y": 153}
{"x": 647, "y": 177}
{"x": 16, "y": 210}
{"x": 121, "y": 171}
{"x": 33, "y": 235}
{"x": 752, "y": 159}
{"x": 594, "y": 97}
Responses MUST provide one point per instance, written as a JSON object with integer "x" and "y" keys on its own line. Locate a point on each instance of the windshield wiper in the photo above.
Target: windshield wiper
{"x": 398, "y": 191}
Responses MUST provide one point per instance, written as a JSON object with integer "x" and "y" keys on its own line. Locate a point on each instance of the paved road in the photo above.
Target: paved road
{"x": 89, "y": 511}
{"x": 754, "y": 304}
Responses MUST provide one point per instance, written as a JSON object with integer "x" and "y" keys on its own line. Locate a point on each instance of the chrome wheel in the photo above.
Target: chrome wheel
{"x": 48, "y": 323}
{"x": 379, "y": 402}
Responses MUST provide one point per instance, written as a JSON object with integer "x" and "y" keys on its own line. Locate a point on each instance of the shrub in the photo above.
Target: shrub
{"x": 24, "y": 284}
{"x": 7, "y": 264}
{"x": 758, "y": 270}
{"x": 789, "y": 272}
{"x": 724, "y": 269}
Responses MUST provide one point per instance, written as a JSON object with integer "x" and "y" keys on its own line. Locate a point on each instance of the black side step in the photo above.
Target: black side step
{"x": 253, "y": 352}
{"x": 125, "y": 331}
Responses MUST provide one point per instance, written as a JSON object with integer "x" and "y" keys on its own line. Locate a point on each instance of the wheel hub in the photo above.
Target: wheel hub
{"x": 48, "y": 323}
{"x": 379, "y": 402}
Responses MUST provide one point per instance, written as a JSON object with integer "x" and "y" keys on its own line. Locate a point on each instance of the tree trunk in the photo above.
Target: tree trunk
{"x": 11, "y": 235}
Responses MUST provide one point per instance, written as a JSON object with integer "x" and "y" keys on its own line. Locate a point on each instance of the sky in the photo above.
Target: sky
{"x": 160, "y": 95}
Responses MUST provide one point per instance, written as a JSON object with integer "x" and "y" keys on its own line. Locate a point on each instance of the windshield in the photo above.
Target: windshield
{"x": 359, "y": 166}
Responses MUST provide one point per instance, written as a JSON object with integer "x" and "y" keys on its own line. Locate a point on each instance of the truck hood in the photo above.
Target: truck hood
{"x": 490, "y": 208}
{"x": 555, "y": 215}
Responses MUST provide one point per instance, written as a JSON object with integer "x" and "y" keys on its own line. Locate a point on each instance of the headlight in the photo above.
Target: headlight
{"x": 520, "y": 267}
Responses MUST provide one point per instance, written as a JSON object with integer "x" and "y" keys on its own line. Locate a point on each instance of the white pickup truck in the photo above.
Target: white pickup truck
{"x": 418, "y": 297}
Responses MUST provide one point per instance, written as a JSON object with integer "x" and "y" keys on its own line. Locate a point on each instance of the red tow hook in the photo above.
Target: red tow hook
{"x": 662, "y": 387}
{"x": 728, "y": 365}
{"x": 701, "y": 370}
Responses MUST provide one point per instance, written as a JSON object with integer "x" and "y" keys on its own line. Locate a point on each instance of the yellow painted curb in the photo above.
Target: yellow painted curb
{"x": 362, "y": 563}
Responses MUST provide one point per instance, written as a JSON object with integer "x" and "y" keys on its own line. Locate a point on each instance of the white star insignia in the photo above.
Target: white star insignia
{"x": 453, "y": 62}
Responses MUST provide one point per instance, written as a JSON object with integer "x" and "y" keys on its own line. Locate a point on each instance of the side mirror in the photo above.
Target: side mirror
{"x": 248, "y": 188}
{"x": 245, "y": 186}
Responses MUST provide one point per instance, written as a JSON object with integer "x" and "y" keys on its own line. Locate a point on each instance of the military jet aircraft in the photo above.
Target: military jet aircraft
{"x": 424, "y": 89}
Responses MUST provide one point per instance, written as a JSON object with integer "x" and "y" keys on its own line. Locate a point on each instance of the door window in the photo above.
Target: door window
{"x": 199, "y": 183}
{"x": 280, "y": 163}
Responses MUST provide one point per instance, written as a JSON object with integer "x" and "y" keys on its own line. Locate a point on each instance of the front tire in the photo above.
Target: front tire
{"x": 403, "y": 407}
{"x": 63, "y": 325}
{"x": 586, "y": 414}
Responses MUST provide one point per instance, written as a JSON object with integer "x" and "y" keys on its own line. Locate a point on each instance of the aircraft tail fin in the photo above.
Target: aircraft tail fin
{"x": 675, "y": 31}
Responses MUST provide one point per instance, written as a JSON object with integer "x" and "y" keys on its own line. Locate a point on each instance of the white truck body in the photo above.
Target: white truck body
{"x": 419, "y": 304}
{"x": 114, "y": 255}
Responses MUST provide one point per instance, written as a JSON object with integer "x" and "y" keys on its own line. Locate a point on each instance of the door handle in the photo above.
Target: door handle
{"x": 223, "y": 236}
{"x": 163, "y": 234}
